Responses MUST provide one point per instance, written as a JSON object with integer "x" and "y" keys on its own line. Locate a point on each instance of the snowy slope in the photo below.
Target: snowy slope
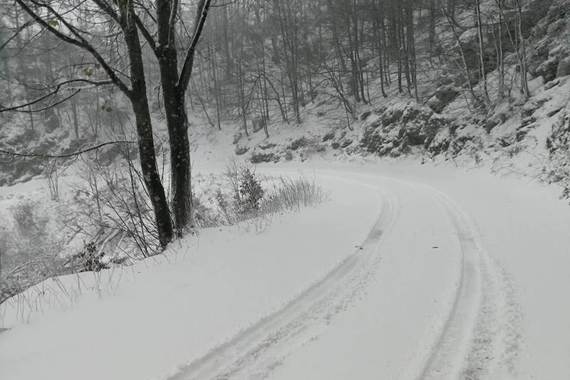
{"x": 145, "y": 321}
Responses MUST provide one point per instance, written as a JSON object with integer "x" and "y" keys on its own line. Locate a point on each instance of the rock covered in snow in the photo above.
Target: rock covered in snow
{"x": 400, "y": 128}
{"x": 442, "y": 98}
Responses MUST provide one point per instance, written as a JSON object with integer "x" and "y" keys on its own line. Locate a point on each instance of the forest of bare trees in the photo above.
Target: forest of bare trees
{"x": 276, "y": 54}
{"x": 93, "y": 66}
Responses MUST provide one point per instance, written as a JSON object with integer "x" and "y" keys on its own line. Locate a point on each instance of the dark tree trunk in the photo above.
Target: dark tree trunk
{"x": 177, "y": 124}
{"x": 181, "y": 167}
{"x": 226, "y": 44}
{"x": 176, "y": 120}
{"x": 141, "y": 110}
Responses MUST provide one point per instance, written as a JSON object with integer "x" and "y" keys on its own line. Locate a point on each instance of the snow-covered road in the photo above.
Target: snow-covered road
{"x": 507, "y": 317}
{"x": 420, "y": 299}
{"x": 455, "y": 275}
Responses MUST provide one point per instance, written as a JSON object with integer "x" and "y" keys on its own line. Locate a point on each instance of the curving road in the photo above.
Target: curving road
{"x": 459, "y": 275}
{"x": 421, "y": 298}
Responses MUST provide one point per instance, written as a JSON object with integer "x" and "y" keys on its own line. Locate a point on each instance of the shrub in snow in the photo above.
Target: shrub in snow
{"x": 223, "y": 206}
{"x": 88, "y": 260}
{"x": 249, "y": 193}
{"x": 246, "y": 193}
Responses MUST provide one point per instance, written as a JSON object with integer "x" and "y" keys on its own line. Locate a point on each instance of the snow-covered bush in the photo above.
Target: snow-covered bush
{"x": 88, "y": 260}
{"x": 246, "y": 193}
{"x": 250, "y": 192}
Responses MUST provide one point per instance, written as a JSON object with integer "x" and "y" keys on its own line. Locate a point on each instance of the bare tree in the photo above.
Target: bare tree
{"x": 134, "y": 20}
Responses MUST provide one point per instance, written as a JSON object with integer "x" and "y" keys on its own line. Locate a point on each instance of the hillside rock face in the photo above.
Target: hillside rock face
{"x": 443, "y": 96}
{"x": 563, "y": 67}
{"x": 560, "y": 137}
{"x": 550, "y": 53}
{"x": 533, "y": 13}
{"x": 398, "y": 130}
{"x": 558, "y": 145}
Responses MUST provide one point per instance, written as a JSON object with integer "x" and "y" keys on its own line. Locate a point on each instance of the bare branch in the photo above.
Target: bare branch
{"x": 78, "y": 41}
{"x": 16, "y": 33}
{"x": 202, "y": 13}
{"x": 68, "y": 155}
{"x": 52, "y": 93}
{"x": 146, "y": 34}
{"x": 52, "y": 104}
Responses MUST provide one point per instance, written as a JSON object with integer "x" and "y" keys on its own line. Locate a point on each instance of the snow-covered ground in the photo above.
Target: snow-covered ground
{"x": 145, "y": 321}
{"x": 408, "y": 271}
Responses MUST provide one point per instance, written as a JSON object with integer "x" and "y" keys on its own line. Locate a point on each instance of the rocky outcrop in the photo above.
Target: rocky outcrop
{"x": 400, "y": 129}
{"x": 260, "y": 157}
{"x": 548, "y": 69}
{"x": 563, "y": 67}
{"x": 241, "y": 150}
{"x": 442, "y": 98}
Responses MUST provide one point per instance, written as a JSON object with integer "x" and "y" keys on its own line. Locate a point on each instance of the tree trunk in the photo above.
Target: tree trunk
{"x": 482, "y": 68}
{"x": 176, "y": 119}
{"x": 147, "y": 155}
{"x": 522, "y": 55}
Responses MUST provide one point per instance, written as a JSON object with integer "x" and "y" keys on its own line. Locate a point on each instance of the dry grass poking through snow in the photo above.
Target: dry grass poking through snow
{"x": 292, "y": 194}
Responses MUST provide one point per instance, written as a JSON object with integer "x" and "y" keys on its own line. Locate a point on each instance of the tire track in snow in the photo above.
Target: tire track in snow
{"x": 481, "y": 337}
{"x": 256, "y": 351}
